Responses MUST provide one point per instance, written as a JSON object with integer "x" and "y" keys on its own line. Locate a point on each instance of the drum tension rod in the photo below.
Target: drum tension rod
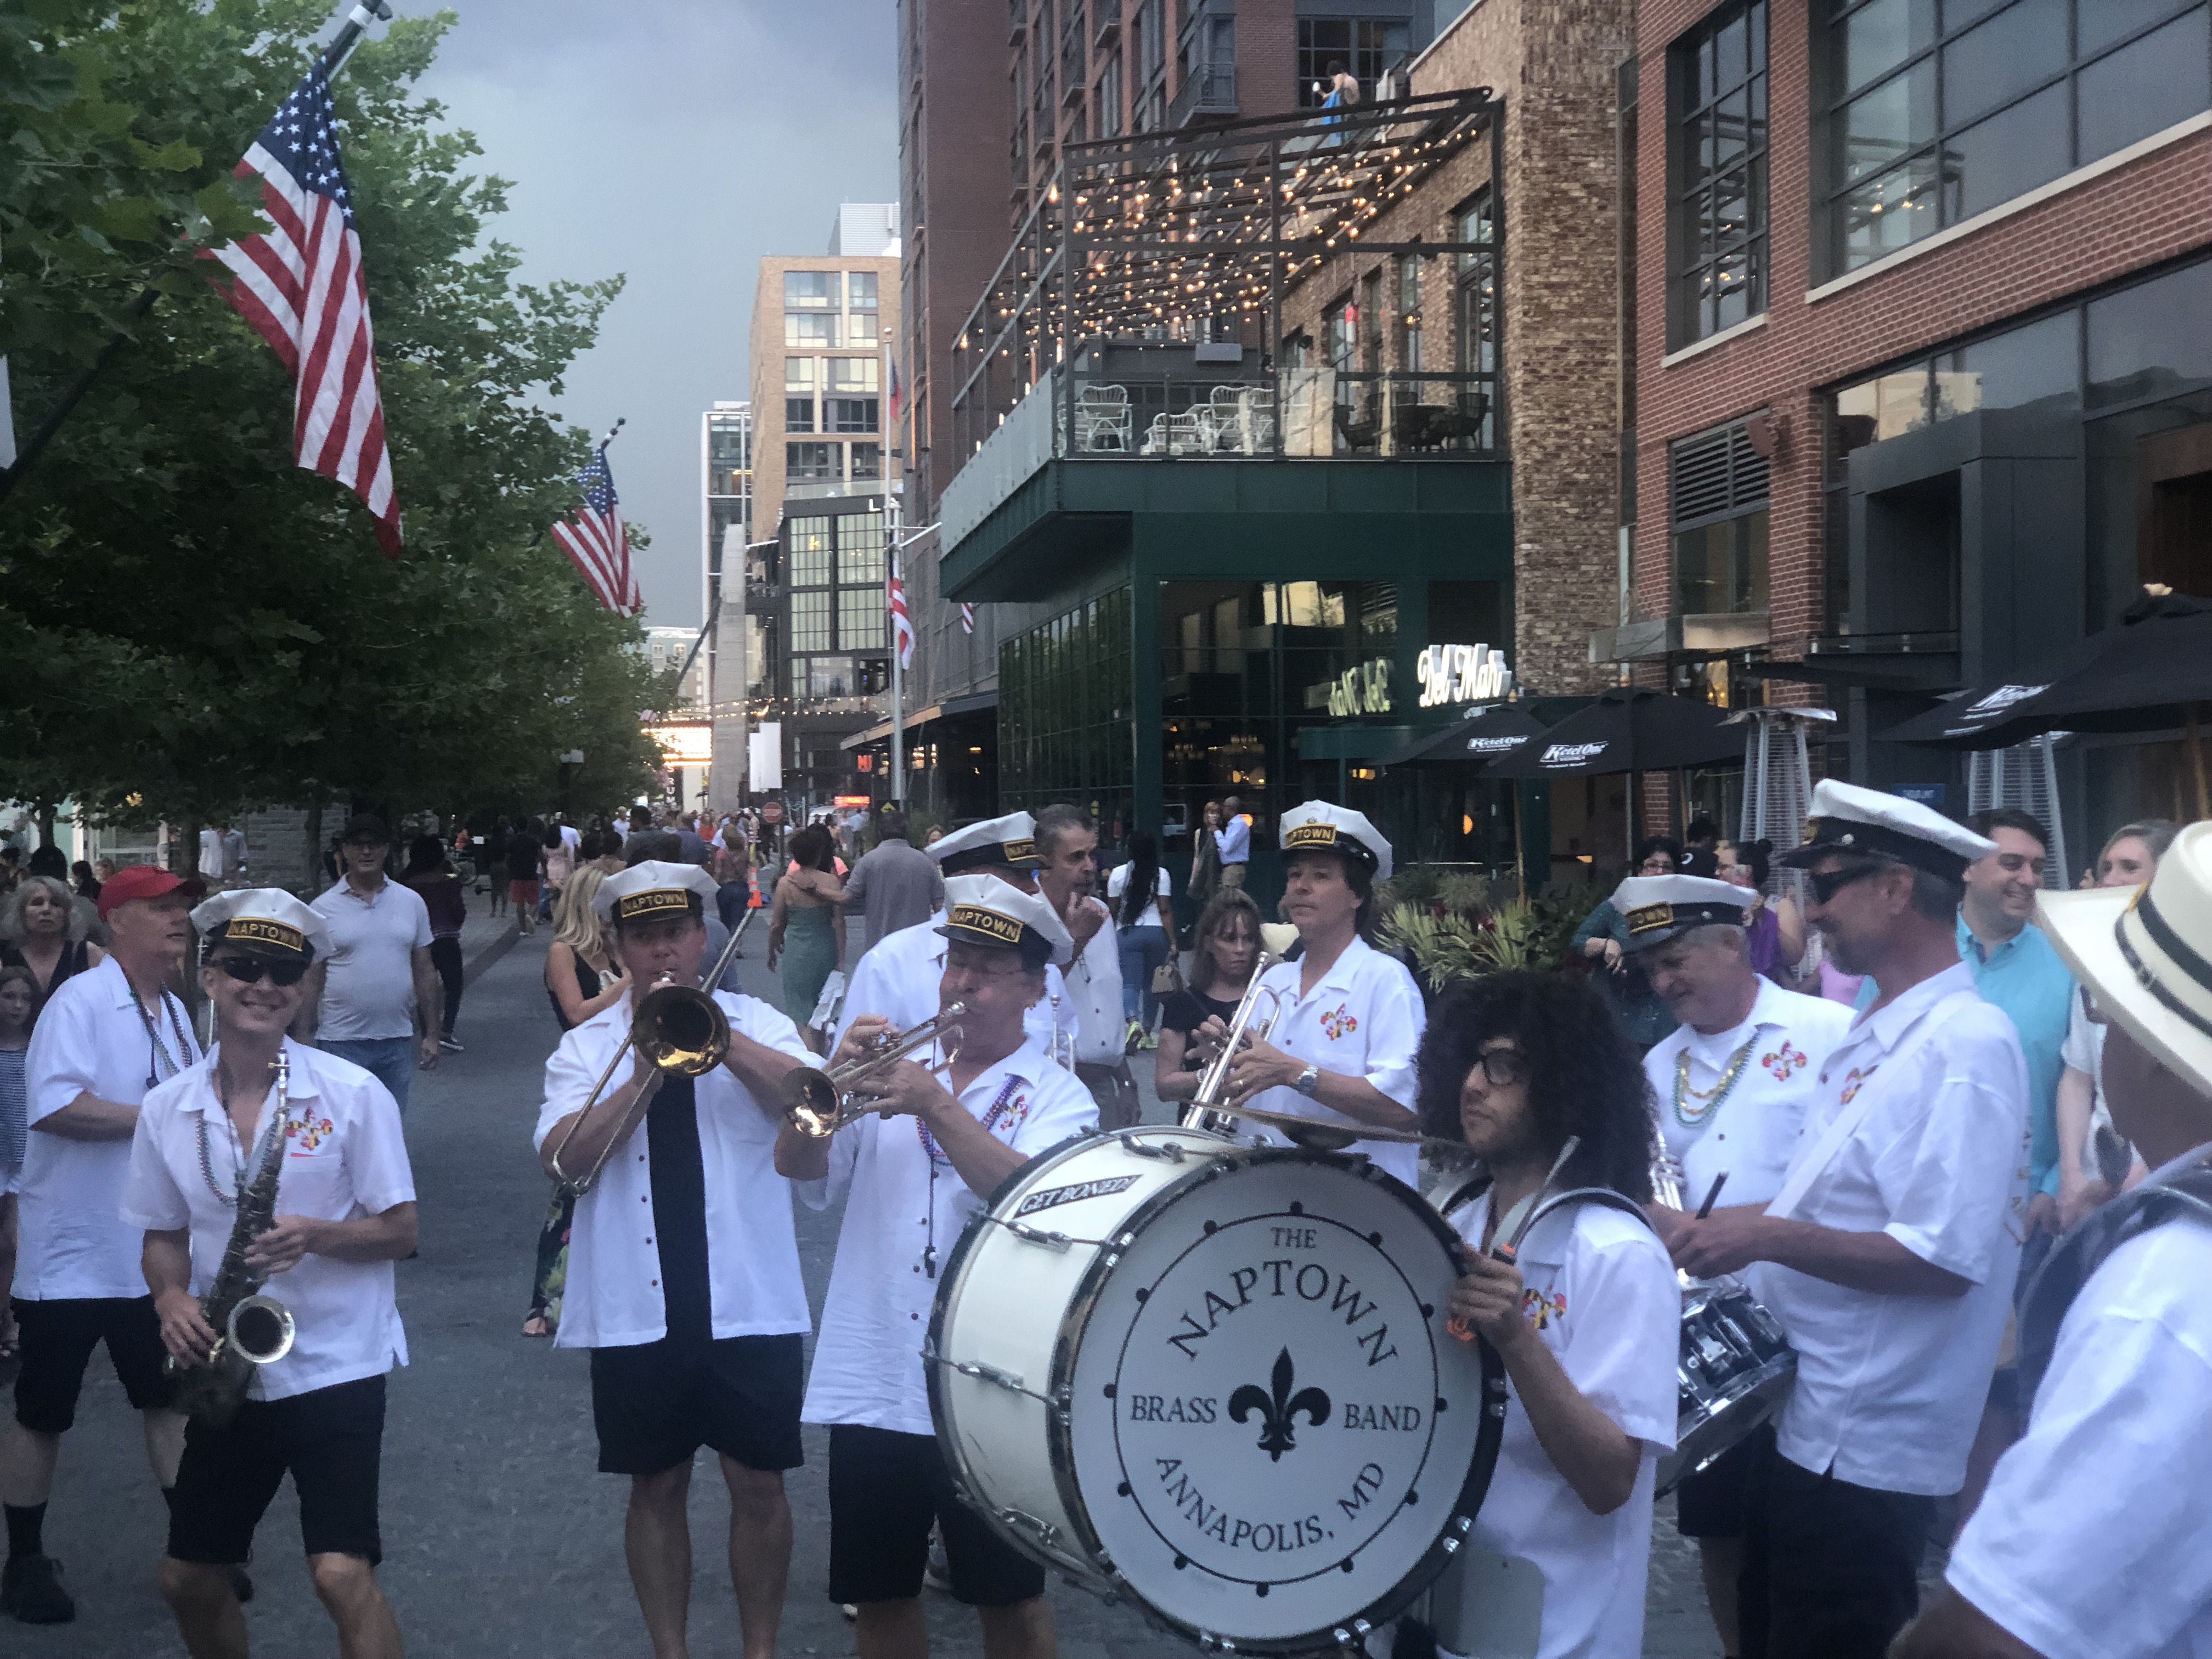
{"x": 1168, "y": 1152}
{"x": 1051, "y": 1241}
{"x": 1007, "y": 1380}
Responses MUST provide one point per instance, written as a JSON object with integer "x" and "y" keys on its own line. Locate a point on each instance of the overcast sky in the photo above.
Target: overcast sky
{"x": 676, "y": 140}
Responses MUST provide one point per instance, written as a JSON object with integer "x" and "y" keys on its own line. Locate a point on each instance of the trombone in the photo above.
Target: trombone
{"x": 678, "y": 1028}
{"x": 1204, "y": 1110}
{"x": 819, "y": 1101}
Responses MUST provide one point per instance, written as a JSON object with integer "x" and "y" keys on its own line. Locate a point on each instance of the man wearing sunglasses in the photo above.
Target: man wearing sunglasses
{"x": 345, "y": 1213}
{"x": 1889, "y": 1253}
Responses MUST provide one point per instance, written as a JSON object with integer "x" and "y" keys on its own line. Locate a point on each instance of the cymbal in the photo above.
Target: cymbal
{"x": 1334, "y": 1135}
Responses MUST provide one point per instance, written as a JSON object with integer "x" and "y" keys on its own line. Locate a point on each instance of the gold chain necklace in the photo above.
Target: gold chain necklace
{"x": 1691, "y": 1117}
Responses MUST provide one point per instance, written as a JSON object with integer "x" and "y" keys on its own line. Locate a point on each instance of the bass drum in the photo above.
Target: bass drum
{"x": 1214, "y": 1378}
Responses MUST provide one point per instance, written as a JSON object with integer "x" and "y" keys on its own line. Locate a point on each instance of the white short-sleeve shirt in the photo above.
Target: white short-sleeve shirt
{"x": 369, "y": 988}
{"x": 345, "y": 1157}
{"x": 2094, "y": 1539}
{"x": 898, "y": 977}
{"x": 91, "y": 1038}
{"x": 905, "y": 1205}
{"x": 1751, "y": 1131}
{"x": 1602, "y": 1295}
{"x": 1117, "y": 884}
{"x": 613, "y": 1299}
{"x": 1890, "y": 1387}
{"x": 1093, "y": 980}
{"x": 1364, "y": 1018}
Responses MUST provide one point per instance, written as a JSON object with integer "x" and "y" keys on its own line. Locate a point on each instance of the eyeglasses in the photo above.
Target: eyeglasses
{"x": 248, "y": 971}
{"x": 1504, "y": 1067}
{"x": 1827, "y": 884}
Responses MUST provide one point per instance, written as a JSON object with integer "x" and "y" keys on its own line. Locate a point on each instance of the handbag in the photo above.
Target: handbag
{"x": 1167, "y": 979}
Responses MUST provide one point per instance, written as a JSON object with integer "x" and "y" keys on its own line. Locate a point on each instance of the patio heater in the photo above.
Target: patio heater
{"x": 2025, "y": 775}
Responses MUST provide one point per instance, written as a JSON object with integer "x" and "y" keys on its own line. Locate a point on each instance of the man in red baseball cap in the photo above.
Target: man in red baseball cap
{"x": 106, "y": 1037}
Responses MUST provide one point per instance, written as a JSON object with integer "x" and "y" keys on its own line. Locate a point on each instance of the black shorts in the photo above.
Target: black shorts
{"x": 329, "y": 1440}
{"x": 59, "y": 1338}
{"x": 1711, "y": 1503}
{"x": 885, "y": 1488}
{"x": 656, "y": 1403}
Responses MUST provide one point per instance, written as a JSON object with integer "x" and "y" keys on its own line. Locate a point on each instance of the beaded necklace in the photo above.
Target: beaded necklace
{"x": 1692, "y": 1117}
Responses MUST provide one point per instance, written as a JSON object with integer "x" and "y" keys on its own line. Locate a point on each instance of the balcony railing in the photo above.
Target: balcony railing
{"x": 1164, "y": 406}
{"x": 1210, "y": 90}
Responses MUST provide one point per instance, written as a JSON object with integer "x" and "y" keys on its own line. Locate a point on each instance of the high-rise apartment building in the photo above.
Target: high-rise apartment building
{"x": 725, "y": 466}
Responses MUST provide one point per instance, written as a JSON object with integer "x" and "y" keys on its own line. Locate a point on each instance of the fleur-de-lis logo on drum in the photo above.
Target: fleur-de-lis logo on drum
{"x": 1278, "y": 1411}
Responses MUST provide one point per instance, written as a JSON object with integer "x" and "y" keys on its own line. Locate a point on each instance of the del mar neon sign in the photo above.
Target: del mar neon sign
{"x": 1462, "y": 673}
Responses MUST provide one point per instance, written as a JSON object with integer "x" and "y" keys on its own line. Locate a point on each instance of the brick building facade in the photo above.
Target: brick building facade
{"x": 1873, "y": 316}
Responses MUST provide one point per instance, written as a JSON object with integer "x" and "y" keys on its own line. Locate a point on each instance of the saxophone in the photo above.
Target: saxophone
{"x": 251, "y": 1329}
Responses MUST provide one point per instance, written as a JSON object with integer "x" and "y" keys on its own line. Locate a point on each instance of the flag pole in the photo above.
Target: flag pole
{"x": 360, "y": 14}
{"x": 898, "y": 676}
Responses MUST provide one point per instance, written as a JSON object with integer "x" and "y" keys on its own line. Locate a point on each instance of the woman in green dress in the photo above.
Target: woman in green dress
{"x": 806, "y": 925}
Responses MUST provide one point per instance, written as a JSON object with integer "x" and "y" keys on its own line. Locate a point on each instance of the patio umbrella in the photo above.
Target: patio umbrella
{"x": 1485, "y": 735}
{"x": 2151, "y": 671}
{"x": 1627, "y": 730}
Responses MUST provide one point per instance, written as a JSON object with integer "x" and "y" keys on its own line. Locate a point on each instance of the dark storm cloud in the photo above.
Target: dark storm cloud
{"x": 676, "y": 140}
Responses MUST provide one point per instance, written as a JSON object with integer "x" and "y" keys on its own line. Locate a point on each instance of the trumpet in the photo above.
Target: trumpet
{"x": 1204, "y": 1110}
{"x": 819, "y": 1101}
{"x": 678, "y": 1029}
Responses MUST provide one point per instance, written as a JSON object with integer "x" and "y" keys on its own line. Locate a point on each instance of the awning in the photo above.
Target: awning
{"x": 951, "y": 708}
{"x": 1485, "y": 735}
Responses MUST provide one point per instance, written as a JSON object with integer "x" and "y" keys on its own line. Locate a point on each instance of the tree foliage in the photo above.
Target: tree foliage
{"x": 198, "y": 626}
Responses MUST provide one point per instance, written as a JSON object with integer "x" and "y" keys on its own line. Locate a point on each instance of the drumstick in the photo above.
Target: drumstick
{"x": 1713, "y": 1193}
{"x": 1523, "y": 1216}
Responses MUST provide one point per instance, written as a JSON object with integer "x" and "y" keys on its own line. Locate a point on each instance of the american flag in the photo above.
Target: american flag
{"x": 967, "y": 618}
{"x": 300, "y": 286}
{"x": 902, "y": 625}
{"x": 596, "y": 541}
{"x": 897, "y": 397}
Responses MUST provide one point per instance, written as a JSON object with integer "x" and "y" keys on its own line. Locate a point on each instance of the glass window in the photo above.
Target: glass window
{"x": 810, "y": 621}
{"x": 798, "y": 414}
{"x": 810, "y": 290}
{"x": 860, "y": 617}
{"x": 860, "y": 550}
{"x": 2038, "y": 366}
{"x": 867, "y": 461}
{"x": 1721, "y": 568}
{"x": 1367, "y": 49}
{"x": 829, "y": 676}
{"x": 804, "y": 462}
{"x": 852, "y": 374}
{"x": 1407, "y": 318}
{"x": 860, "y": 290}
{"x": 850, "y": 414}
{"x": 862, "y": 328}
{"x": 809, "y": 540}
{"x": 1717, "y": 185}
{"x": 803, "y": 329}
{"x": 1933, "y": 119}
{"x": 798, "y": 374}
{"x": 1106, "y": 100}
{"x": 2151, "y": 341}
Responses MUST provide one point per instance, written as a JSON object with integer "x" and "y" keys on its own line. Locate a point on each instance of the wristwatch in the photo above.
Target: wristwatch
{"x": 1308, "y": 1080}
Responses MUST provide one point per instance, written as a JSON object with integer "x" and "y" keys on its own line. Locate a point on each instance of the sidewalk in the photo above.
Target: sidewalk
{"x": 484, "y": 940}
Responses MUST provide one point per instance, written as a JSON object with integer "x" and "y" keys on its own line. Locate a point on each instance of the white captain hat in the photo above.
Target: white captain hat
{"x": 1320, "y": 826}
{"x": 984, "y": 910}
{"x": 267, "y": 921}
{"x": 1008, "y": 840}
{"x": 2145, "y": 953}
{"x": 1658, "y": 908}
{"x": 654, "y": 888}
{"x": 1849, "y": 818}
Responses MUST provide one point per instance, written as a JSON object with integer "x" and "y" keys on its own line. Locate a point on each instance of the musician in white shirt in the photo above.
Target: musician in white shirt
{"x": 1732, "y": 1083}
{"x": 1587, "y": 1316}
{"x": 2094, "y": 1539}
{"x": 683, "y": 1268}
{"x": 1888, "y": 1256}
{"x": 911, "y": 1175}
{"x": 1348, "y": 1019}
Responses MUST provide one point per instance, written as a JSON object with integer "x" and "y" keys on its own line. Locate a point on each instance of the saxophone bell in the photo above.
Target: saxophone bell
{"x": 261, "y": 1330}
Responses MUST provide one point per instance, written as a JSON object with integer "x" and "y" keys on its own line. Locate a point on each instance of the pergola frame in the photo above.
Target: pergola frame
{"x": 1194, "y": 236}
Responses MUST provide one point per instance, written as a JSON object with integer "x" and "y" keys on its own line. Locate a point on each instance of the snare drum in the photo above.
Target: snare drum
{"x": 1214, "y": 1378}
{"x": 1734, "y": 1370}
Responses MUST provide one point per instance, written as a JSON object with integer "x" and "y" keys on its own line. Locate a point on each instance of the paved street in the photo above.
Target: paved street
{"x": 501, "y": 1538}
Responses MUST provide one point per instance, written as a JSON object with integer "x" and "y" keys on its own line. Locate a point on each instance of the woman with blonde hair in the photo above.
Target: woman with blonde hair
{"x": 40, "y": 930}
{"x": 581, "y": 974}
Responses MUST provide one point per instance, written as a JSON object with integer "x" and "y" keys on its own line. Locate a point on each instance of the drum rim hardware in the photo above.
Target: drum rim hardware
{"x": 1098, "y": 1574}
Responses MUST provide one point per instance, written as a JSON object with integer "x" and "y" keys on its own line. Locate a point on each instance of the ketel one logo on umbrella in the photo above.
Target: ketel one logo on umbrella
{"x": 1998, "y": 701}
{"x": 1494, "y": 745}
{"x": 1574, "y": 753}
{"x": 1278, "y": 1411}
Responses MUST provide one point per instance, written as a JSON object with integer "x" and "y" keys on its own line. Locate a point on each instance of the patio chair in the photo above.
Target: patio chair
{"x": 1102, "y": 419}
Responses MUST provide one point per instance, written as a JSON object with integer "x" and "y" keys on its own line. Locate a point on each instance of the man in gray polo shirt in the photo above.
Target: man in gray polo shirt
{"x": 894, "y": 884}
{"x": 364, "y": 999}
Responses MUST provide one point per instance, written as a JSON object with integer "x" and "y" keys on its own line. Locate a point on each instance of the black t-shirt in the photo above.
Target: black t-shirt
{"x": 679, "y": 1208}
{"x": 523, "y": 849}
{"x": 1184, "y": 1012}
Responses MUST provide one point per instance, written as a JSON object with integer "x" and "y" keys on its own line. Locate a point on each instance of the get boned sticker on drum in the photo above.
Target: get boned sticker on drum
{"x": 1267, "y": 1435}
